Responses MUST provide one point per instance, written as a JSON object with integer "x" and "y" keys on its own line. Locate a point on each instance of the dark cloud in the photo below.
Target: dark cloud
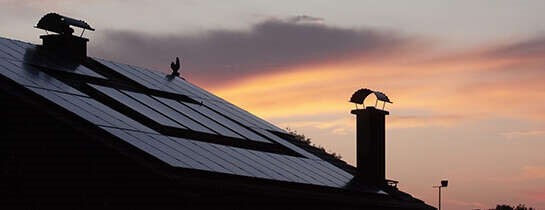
{"x": 306, "y": 19}
{"x": 523, "y": 60}
{"x": 526, "y": 48}
{"x": 223, "y": 56}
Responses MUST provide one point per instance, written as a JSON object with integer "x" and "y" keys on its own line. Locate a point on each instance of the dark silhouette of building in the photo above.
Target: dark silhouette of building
{"x": 88, "y": 133}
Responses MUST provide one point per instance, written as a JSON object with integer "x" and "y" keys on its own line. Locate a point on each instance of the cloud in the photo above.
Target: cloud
{"x": 306, "y": 19}
{"x": 532, "y": 173}
{"x": 411, "y": 121}
{"x": 489, "y": 80}
{"x": 528, "y": 173}
{"x": 221, "y": 56}
{"x": 522, "y": 134}
{"x": 537, "y": 195}
{"x": 345, "y": 122}
{"x": 531, "y": 47}
{"x": 304, "y": 68}
{"x": 513, "y": 57}
{"x": 466, "y": 204}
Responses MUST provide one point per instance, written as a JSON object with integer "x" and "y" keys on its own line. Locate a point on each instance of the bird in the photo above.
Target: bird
{"x": 175, "y": 67}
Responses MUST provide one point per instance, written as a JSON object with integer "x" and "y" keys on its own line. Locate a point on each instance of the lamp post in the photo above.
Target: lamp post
{"x": 444, "y": 183}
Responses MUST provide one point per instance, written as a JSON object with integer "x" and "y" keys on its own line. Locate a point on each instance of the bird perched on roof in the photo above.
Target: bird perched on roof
{"x": 175, "y": 67}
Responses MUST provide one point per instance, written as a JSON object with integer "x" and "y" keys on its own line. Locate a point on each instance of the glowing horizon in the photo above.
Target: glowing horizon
{"x": 311, "y": 100}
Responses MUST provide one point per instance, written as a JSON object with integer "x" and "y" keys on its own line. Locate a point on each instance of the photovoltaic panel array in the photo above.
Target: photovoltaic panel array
{"x": 153, "y": 80}
{"x": 91, "y": 110}
{"x": 198, "y": 155}
{"x": 232, "y": 160}
{"x": 31, "y": 76}
{"x": 25, "y": 65}
{"x": 158, "y": 81}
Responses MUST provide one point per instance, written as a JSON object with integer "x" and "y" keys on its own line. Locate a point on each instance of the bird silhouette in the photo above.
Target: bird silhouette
{"x": 175, "y": 67}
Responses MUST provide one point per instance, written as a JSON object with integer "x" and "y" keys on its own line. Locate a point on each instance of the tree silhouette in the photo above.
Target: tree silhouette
{"x": 518, "y": 207}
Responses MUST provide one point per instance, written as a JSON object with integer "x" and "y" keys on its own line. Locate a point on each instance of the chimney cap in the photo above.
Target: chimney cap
{"x": 61, "y": 24}
{"x": 359, "y": 96}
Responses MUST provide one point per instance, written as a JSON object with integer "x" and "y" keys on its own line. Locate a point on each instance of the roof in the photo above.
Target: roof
{"x": 182, "y": 121}
{"x": 171, "y": 119}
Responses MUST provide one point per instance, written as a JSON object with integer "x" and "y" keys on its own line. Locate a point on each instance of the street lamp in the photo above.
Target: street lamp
{"x": 444, "y": 183}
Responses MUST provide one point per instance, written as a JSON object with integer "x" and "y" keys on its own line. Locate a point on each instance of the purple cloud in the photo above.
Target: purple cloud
{"x": 223, "y": 56}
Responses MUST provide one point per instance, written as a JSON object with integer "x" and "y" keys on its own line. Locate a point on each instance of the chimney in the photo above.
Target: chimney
{"x": 67, "y": 45}
{"x": 370, "y": 138}
{"x": 64, "y": 43}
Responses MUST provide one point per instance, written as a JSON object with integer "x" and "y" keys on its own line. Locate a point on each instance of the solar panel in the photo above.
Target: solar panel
{"x": 8, "y": 72}
{"x": 258, "y": 122}
{"x": 190, "y": 154}
{"x": 71, "y": 103}
{"x": 217, "y": 156}
{"x": 118, "y": 120}
{"x": 274, "y": 171}
{"x": 11, "y": 48}
{"x": 158, "y": 81}
{"x": 241, "y": 160}
{"x": 339, "y": 172}
{"x": 308, "y": 171}
{"x": 193, "y": 154}
{"x": 218, "y": 128}
{"x": 235, "y": 115}
{"x": 91, "y": 110}
{"x": 137, "y": 75}
{"x": 225, "y": 122}
{"x": 320, "y": 169}
{"x": 146, "y": 144}
{"x": 208, "y": 117}
{"x": 285, "y": 143}
{"x": 7, "y": 52}
{"x": 137, "y": 106}
{"x": 33, "y": 77}
{"x": 196, "y": 158}
{"x": 168, "y": 112}
{"x": 175, "y": 84}
{"x": 281, "y": 168}
{"x": 260, "y": 164}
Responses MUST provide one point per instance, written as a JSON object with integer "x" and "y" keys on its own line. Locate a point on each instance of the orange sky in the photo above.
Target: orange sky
{"x": 472, "y": 117}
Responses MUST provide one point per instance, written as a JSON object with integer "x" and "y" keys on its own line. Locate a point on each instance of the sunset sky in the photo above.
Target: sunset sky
{"x": 467, "y": 78}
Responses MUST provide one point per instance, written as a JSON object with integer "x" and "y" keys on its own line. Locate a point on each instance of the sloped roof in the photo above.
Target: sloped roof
{"x": 169, "y": 118}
